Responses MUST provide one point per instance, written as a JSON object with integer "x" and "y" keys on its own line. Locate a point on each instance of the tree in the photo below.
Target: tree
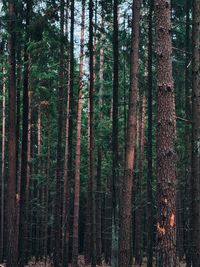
{"x": 3, "y": 164}
{"x": 166, "y": 136}
{"x": 149, "y": 145}
{"x": 195, "y": 180}
{"x": 59, "y": 167}
{"x": 126, "y": 185}
{"x": 24, "y": 188}
{"x": 11, "y": 250}
{"x": 75, "y": 248}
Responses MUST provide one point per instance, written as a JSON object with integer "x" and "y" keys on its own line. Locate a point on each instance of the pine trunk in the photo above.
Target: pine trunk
{"x": 3, "y": 164}
{"x": 166, "y": 135}
{"x": 195, "y": 180}
{"x": 149, "y": 144}
{"x": 11, "y": 250}
{"x": 126, "y": 186}
{"x": 75, "y": 249}
{"x": 59, "y": 168}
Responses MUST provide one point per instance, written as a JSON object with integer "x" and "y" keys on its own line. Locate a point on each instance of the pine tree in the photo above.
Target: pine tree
{"x": 166, "y": 134}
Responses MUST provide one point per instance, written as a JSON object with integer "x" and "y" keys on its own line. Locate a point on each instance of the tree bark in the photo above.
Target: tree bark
{"x": 91, "y": 139}
{"x": 11, "y": 250}
{"x": 139, "y": 210}
{"x": 59, "y": 168}
{"x": 75, "y": 249}
{"x": 149, "y": 144}
{"x": 188, "y": 115}
{"x": 3, "y": 164}
{"x": 195, "y": 180}
{"x": 24, "y": 190}
{"x": 165, "y": 138}
{"x": 126, "y": 186}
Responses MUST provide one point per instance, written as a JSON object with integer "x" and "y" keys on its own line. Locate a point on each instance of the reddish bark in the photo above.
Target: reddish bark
{"x": 126, "y": 185}
{"x": 11, "y": 250}
{"x": 165, "y": 137}
{"x": 75, "y": 248}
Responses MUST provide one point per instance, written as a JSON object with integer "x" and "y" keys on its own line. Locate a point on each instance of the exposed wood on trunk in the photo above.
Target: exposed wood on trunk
{"x": 165, "y": 137}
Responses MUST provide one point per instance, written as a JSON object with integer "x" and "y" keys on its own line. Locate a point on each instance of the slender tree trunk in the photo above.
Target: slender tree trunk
{"x": 68, "y": 165}
{"x": 99, "y": 149}
{"x": 91, "y": 139}
{"x": 59, "y": 168}
{"x": 115, "y": 132}
{"x": 75, "y": 249}
{"x": 3, "y": 163}
{"x": 195, "y": 181}
{"x": 149, "y": 143}
{"x": 187, "y": 219}
{"x": 126, "y": 186}
{"x": 166, "y": 135}
{"x": 11, "y": 253}
{"x": 47, "y": 196}
{"x": 139, "y": 210}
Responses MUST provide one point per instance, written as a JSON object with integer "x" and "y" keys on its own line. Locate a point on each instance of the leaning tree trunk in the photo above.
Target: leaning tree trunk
{"x": 78, "y": 148}
{"x": 125, "y": 219}
{"x": 195, "y": 178}
{"x": 166, "y": 134}
{"x": 11, "y": 250}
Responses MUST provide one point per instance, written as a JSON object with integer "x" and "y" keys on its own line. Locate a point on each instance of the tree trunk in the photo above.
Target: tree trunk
{"x": 75, "y": 249}
{"x": 139, "y": 210}
{"x": 149, "y": 143}
{"x": 195, "y": 181}
{"x": 187, "y": 205}
{"x": 91, "y": 136}
{"x": 99, "y": 149}
{"x": 115, "y": 132}
{"x": 11, "y": 252}
{"x": 68, "y": 164}
{"x": 126, "y": 186}
{"x": 59, "y": 167}
{"x": 3, "y": 164}
{"x": 166, "y": 135}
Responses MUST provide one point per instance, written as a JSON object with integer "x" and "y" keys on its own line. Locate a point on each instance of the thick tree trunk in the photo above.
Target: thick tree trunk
{"x": 166, "y": 135}
{"x": 59, "y": 167}
{"x": 149, "y": 143}
{"x": 126, "y": 186}
{"x": 195, "y": 180}
{"x": 75, "y": 249}
{"x": 11, "y": 252}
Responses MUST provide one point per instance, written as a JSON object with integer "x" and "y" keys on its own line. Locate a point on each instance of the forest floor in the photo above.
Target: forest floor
{"x": 81, "y": 263}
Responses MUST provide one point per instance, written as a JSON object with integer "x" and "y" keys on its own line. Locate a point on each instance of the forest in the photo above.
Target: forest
{"x": 100, "y": 133}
